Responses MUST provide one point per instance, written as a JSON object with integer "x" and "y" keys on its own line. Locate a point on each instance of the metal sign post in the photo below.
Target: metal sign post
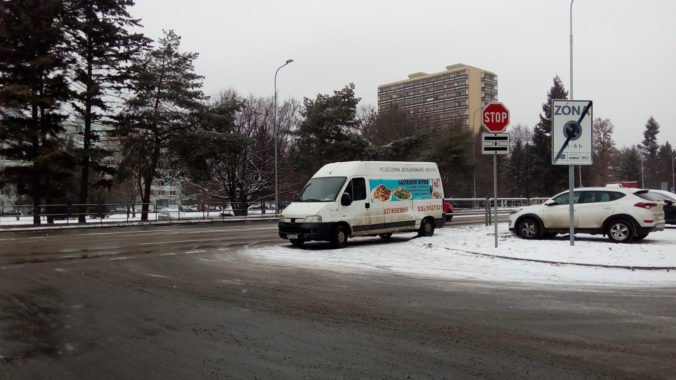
{"x": 495, "y": 144}
{"x": 495, "y": 195}
{"x": 572, "y": 144}
{"x": 495, "y": 118}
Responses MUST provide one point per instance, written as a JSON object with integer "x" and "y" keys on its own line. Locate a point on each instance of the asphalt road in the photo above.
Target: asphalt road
{"x": 185, "y": 302}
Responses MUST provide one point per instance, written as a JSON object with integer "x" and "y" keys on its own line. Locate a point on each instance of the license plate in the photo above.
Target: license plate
{"x": 292, "y": 236}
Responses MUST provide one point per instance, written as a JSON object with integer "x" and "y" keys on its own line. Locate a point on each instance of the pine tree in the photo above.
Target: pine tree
{"x": 329, "y": 131}
{"x": 664, "y": 165}
{"x": 516, "y": 176}
{"x": 603, "y": 150}
{"x": 649, "y": 147}
{"x": 548, "y": 178}
{"x": 103, "y": 49}
{"x": 450, "y": 148}
{"x": 33, "y": 89}
{"x": 628, "y": 164}
{"x": 166, "y": 101}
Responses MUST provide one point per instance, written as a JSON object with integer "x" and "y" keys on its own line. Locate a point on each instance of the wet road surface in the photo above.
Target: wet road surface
{"x": 185, "y": 302}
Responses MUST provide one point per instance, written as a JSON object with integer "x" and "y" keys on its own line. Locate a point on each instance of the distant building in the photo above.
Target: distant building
{"x": 451, "y": 97}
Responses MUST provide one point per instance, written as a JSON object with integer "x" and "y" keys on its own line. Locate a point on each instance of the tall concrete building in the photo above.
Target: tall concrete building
{"x": 451, "y": 97}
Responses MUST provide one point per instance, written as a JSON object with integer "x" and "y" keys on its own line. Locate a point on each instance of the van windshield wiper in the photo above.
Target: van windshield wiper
{"x": 312, "y": 200}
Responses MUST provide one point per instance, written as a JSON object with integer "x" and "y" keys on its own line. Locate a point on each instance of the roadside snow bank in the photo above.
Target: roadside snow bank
{"x": 461, "y": 253}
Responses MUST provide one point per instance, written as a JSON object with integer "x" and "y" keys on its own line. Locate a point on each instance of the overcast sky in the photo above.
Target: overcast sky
{"x": 624, "y": 51}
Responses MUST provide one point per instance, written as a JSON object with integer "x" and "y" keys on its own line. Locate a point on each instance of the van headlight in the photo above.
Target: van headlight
{"x": 281, "y": 218}
{"x": 313, "y": 218}
{"x": 515, "y": 210}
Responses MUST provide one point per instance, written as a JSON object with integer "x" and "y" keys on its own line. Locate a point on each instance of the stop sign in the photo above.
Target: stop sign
{"x": 495, "y": 117}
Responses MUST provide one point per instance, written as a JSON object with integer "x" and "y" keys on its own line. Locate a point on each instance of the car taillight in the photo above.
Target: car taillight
{"x": 646, "y": 205}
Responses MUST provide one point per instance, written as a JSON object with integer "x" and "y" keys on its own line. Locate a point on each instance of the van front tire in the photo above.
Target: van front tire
{"x": 339, "y": 238}
{"x": 297, "y": 242}
{"x": 426, "y": 227}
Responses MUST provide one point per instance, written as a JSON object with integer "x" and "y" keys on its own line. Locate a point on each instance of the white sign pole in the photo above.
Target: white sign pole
{"x": 571, "y": 209}
{"x": 495, "y": 196}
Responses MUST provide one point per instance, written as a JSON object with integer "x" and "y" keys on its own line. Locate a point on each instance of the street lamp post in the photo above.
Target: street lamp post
{"x": 274, "y": 127}
{"x": 642, "y": 178}
{"x": 474, "y": 151}
{"x": 579, "y": 167}
{"x": 673, "y": 183}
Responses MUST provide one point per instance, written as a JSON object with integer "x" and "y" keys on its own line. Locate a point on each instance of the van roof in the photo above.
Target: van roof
{"x": 347, "y": 168}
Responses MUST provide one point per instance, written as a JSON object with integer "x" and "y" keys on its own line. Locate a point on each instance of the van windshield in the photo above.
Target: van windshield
{"x": 324, "y": 189}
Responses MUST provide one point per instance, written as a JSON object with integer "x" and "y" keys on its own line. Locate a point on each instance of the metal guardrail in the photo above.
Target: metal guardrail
{"x": 67, "y": 214}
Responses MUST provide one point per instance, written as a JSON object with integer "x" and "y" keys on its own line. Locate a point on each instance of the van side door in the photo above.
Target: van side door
{"x": 357, "y": 214}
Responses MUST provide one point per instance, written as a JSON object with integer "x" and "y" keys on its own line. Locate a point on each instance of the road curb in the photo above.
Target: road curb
{"x": 130, "y": 224}
{"x": 628, "y": 267}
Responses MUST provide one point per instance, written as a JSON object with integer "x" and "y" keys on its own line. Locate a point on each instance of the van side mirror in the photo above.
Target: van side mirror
{"x": 550, "y": 202}
{"x": 346, "y": 199}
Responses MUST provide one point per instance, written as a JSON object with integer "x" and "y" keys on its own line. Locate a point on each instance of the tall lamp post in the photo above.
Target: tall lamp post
{"x": 642, "y": 179}
{"x": 673, "y": 183}
{"x": 579, "y": 167}
{"x": 474, "y": 131}
{"x": 274, "y": 127}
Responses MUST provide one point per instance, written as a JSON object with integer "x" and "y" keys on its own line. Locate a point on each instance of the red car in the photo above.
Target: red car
{"x": 448, "y": 210}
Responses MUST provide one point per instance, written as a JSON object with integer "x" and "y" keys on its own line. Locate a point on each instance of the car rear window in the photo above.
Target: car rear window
{"x": 650, "y": 196}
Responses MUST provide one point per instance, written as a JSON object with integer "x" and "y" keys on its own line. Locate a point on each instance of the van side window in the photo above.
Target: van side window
{"x": 357, "y": 188}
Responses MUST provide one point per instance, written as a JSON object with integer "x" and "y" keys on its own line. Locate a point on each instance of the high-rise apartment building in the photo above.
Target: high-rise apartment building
{"x": 451, "y": 97}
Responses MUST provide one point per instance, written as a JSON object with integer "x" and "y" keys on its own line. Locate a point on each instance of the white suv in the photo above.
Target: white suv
{"x": 621, "y": 214}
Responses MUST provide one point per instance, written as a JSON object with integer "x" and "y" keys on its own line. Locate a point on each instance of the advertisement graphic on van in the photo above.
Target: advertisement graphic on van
{"x": 404, "y": 189}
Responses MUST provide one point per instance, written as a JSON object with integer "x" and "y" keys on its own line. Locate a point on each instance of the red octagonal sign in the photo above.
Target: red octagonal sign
{"x": 495, "y": 117}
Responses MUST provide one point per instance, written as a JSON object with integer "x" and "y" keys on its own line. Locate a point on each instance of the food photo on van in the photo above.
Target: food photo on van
{"x": 365, "y": 198}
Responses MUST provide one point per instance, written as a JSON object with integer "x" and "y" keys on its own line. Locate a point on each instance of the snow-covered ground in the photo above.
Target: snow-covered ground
{"x": 467, "y": 253}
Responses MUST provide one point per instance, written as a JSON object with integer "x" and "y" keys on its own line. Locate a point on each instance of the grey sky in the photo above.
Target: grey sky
{"x": 624, "y": 51}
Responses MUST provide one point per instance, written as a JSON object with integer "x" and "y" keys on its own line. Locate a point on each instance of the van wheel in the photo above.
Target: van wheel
{"x": 386, "y": 236}
{"x": 339, "y": 239}
{"x": 297, "y": 242}
{"x": 426, "y": 228}
{"x": 620, "y": 231}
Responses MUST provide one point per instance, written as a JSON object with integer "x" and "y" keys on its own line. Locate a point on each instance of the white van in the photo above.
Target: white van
{"x": 361, "y": 198}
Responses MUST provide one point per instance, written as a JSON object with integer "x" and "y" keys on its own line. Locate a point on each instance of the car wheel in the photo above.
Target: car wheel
{"x": 339, "y": 239}
{"x": 426, "y": 228}
{"x": 528, "y": 228}
{"x": 640, "y": 237}
{"x": 620, "y": 231}
{"x": 297, "y": 242}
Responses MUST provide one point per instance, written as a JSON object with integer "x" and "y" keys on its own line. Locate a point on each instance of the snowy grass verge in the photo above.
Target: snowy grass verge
{"x": 467, "y": 253}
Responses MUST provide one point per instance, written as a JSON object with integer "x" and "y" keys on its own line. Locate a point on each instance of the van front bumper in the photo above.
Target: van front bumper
{"x": 306, "y": 231}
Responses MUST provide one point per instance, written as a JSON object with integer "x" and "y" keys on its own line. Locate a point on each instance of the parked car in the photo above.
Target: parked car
{"x": 448, "y": 210}
{"x": 168, "y": 213}
{"x": 669, "y": 200}
{"x": 227, "y": 211}
{"x": 619, "y": 213}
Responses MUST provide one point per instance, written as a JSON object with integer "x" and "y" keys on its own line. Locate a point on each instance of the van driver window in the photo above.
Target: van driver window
{"x": 357, "y": 189}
